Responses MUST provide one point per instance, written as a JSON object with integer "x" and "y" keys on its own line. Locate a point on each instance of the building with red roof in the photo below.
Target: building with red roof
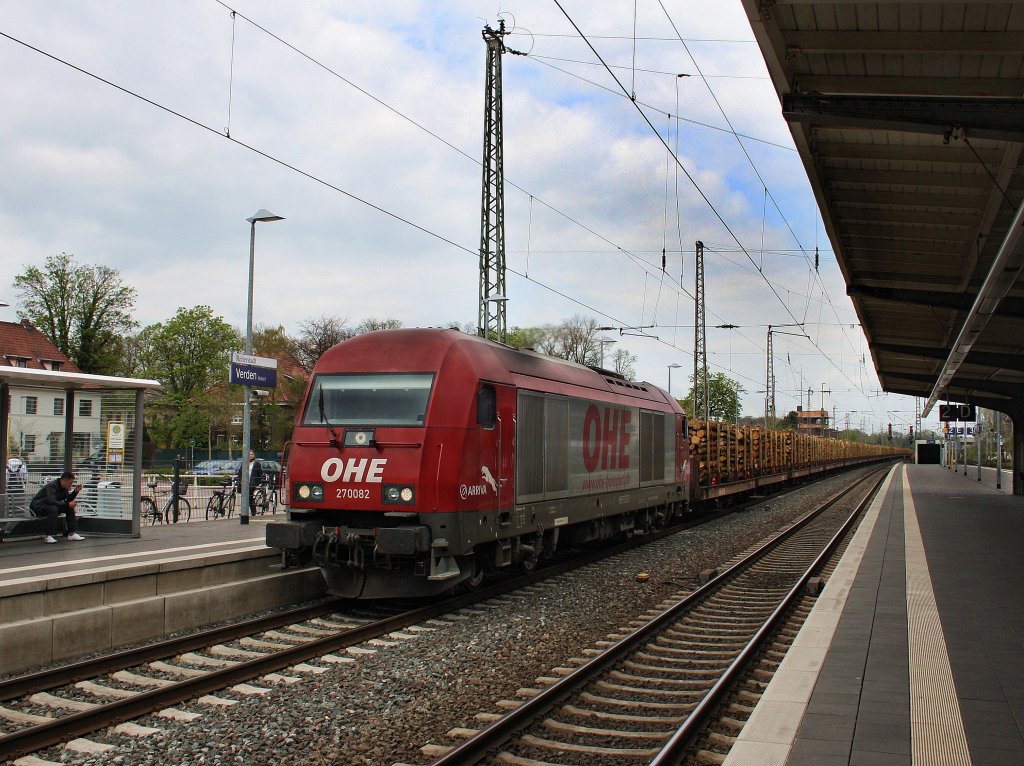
{"x": 37, "y": 421}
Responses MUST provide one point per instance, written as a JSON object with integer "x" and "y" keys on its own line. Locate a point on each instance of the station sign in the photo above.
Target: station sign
{"x": 249, "y": 370}
{"x": 962, "y": 412}
{"x": 962, "y": 430}
{"x": 116, "y": 433}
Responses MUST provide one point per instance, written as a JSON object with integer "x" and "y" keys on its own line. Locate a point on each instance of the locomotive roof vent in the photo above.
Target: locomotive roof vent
{"x": 626, "y": 384}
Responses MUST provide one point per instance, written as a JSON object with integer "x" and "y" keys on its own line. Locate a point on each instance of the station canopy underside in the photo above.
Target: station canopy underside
{"x": 909, "y": 119}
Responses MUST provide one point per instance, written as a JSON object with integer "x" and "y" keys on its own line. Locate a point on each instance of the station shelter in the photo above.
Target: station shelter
{"x": 54, "y": 420}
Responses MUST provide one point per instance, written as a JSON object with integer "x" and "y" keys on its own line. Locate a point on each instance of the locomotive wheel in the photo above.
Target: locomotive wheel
{"x": 477, "y": 578}
{"x": 527, "y": 563}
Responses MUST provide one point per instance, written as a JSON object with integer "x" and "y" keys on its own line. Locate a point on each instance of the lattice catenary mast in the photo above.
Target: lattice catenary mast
{"x": 493, "y": 298}
{"x": 769, "y": 382}
{"x": 700, "y": 346}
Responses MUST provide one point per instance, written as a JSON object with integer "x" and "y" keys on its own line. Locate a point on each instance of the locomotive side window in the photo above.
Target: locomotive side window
{"x": 653, "y": 446}
{"x": 370, "y": 399}
{"x": 486, "y": 406}
{"x": 530, "y": 462}
{"x": 556, "y": 446}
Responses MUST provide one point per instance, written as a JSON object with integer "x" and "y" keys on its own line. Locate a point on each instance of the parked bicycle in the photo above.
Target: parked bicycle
{"x": 222, "y": 502}
{"x": 150, "y": 514}
{"x": 264, "y": 498}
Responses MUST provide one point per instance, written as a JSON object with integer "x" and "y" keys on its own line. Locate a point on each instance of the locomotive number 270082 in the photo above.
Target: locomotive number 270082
{"x": 352, "y": 494}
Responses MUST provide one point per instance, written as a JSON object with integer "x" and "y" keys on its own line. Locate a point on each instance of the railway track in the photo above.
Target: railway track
{"x": 58, "y": 705}
{"x": 646, "y": 697}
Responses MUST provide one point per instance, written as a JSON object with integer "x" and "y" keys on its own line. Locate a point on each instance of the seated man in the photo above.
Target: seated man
{"x": 56, "y": 498}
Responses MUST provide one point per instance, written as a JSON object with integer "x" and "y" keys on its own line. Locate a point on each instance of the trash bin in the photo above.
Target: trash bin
{"x": 108, "y": 499}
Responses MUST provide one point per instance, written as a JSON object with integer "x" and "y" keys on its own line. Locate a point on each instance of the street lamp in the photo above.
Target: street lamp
{"x": 604, "y": 341}
{"x": 671, "y": 367}
{"x": 265, "y": 216}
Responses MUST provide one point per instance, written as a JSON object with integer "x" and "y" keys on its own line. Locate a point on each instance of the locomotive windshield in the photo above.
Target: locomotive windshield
{"x": 368, "y": 399}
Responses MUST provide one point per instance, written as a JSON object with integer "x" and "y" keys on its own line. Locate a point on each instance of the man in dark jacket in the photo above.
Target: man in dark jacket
{"x": 255, "y": 469}
{"x": 56, "y": 498}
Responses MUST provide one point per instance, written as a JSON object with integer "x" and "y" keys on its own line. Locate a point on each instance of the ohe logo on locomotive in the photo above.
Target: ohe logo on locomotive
{"x": 354, "y": 470}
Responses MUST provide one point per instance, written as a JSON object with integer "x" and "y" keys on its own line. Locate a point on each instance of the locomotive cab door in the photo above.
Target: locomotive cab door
{"x": 496, "y": 419}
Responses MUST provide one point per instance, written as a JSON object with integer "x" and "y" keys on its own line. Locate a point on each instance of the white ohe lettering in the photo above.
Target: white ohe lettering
{"x": 354, "y": 470}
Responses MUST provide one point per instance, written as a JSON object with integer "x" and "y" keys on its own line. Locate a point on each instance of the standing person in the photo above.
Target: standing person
{"x": 255, "y": 477}
{"x": 56, "y": 498}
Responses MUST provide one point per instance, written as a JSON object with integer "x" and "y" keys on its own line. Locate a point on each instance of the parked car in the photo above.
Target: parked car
{"x": 272, "y": 470}
{"x": 229, "y": 467}
{"x": 207, "y": 467}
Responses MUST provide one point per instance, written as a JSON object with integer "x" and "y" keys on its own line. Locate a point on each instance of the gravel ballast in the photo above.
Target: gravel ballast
{"x": 381, "y": 708}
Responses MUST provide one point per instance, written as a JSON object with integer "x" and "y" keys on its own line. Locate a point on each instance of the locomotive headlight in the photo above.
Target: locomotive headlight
{"x": 398, "y": 494}
{"x": 309, "y": 493}
{"x": 359, "y": 438}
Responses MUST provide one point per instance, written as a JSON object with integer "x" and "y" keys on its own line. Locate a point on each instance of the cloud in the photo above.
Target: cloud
{"x": 94, "y": 171}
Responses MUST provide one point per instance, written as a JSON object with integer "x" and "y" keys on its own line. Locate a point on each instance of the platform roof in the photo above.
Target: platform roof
{"x": 20, "y": 376}
{"x": 909, "y": 119}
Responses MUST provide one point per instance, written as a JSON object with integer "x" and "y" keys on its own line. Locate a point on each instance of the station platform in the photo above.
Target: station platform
{"x": 61, "y": 601}
{"x": 26, "y": 556}
{"x": 913, "y": 652}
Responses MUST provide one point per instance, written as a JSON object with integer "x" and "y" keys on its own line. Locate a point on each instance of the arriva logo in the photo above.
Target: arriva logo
{"x": 479, "y": 490}
{"x": 358, "y": 470}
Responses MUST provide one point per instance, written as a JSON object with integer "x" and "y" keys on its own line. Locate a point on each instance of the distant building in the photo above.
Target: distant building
{"x": 37, "y": 419}
{"x": 813, "y": 422}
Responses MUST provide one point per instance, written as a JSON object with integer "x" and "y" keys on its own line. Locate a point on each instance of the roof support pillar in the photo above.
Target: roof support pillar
{"x": 1017, "y": 418}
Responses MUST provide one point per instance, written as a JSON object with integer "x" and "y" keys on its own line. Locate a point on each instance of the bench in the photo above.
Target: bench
{"x": 13, "y": 509}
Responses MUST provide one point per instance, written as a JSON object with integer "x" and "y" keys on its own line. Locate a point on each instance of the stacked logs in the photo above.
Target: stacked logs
{"x": 725, "y": 452}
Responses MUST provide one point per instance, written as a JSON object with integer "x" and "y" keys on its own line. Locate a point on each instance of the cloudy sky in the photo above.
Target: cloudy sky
{"x": 361, "y": 123}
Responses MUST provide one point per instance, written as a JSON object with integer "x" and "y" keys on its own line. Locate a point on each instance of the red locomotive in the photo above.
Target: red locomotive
{"x": 426, "y": 458}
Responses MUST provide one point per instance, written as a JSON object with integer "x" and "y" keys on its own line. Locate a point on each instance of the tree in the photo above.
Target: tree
{"x": 84, "y": 310}
{"x": 624, "y": 363}
{"x": 189, "y": 352}
{"x": 372, "y": 324}
{"x": 577, "y": 340}
{"x": 273, "y": 416}
{"x": 318, "y": 335}
{"x": 723, "y": 398}
{"x": 525, "y": 337}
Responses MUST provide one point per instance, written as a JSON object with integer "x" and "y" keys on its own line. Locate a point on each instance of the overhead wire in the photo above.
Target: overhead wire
{"x": 626, "y": 252}
{"x": 309, "y": 175}
{"x": 743, "y": 148}
{"x": 351, "y": 195}
{"x": 696, "y": 186}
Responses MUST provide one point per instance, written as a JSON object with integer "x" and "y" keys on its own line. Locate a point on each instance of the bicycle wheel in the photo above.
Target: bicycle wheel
{"x": 272, "y": 499}
{"x": 184, "y": 510}
{"x": 259, "y": 501}
{"x": 230, "y": 505}
{"x": 214, "y": 506}
{"x": 148, "y": 510}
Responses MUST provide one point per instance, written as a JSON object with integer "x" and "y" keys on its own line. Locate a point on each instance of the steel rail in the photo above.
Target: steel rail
{"x": 44, "y": 735}
{"x": 126, "y": 658}
{"x": 60, "y": 729}
{"x": 477, "y": 747}
{"x": 674, "y": 750}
